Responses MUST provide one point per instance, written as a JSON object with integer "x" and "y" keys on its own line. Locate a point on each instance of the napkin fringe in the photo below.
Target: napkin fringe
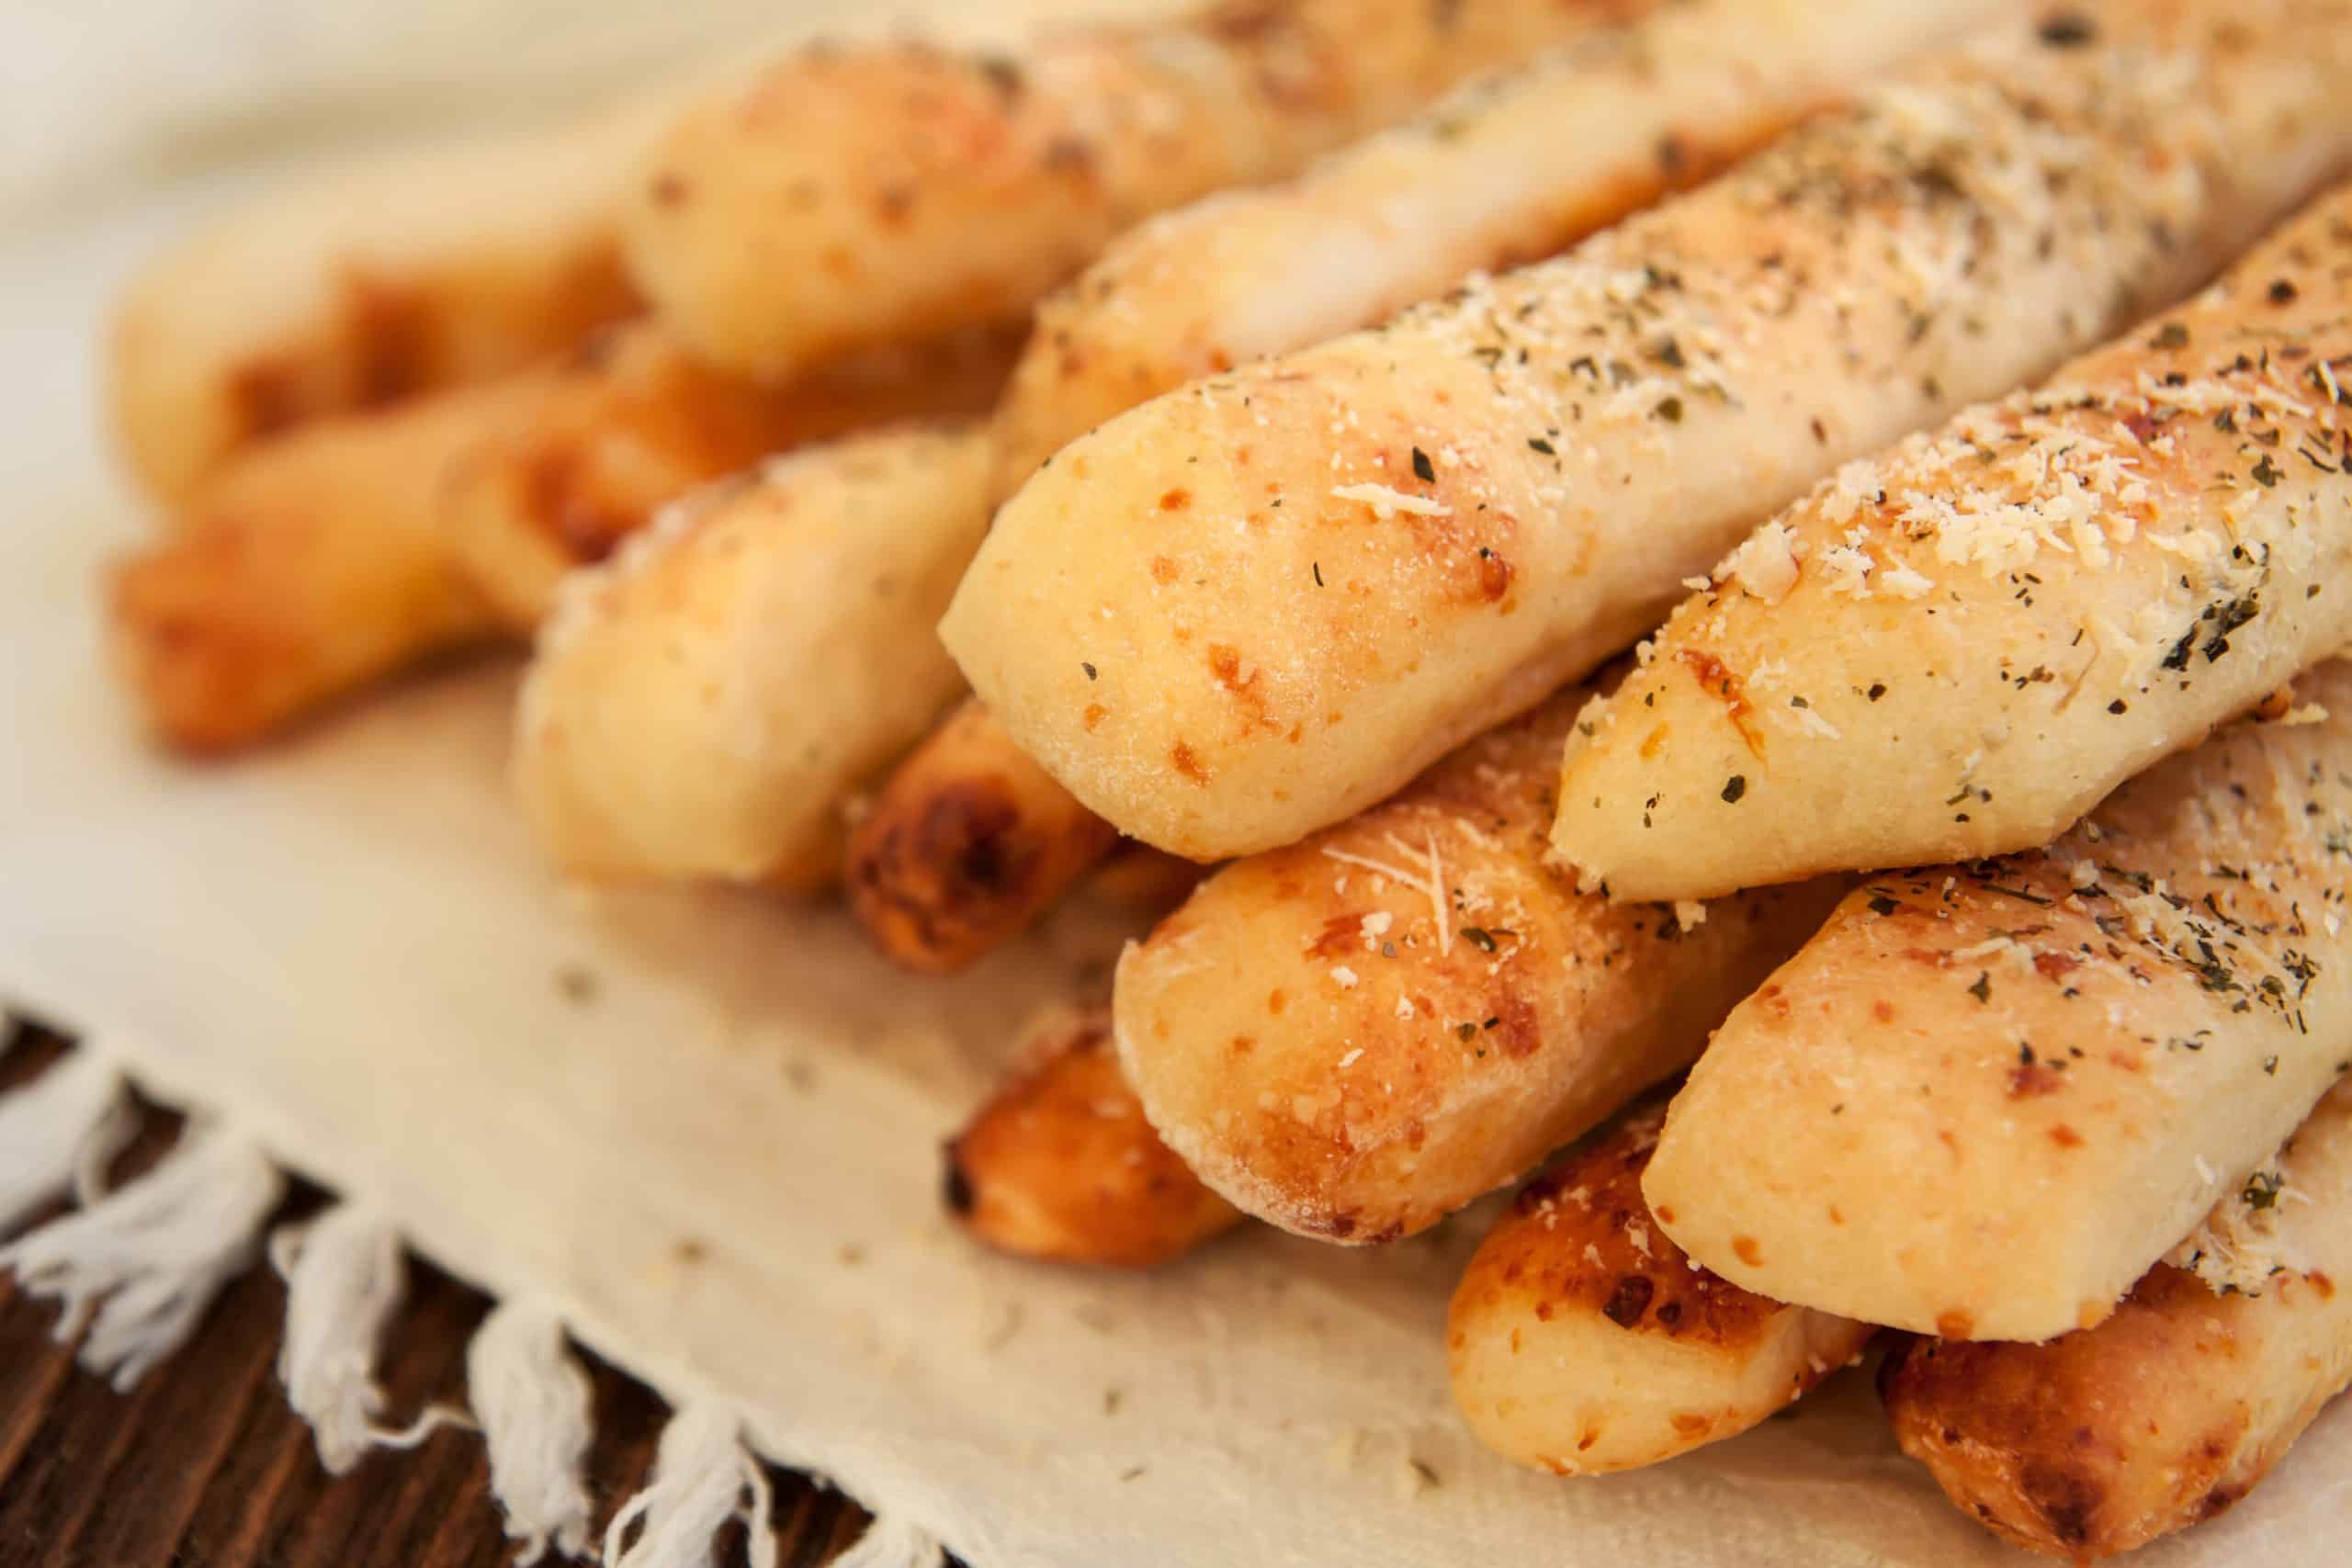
{"x": 532, "y": 1399}
{"x": 57, "y": 1134}
{"x": 136, "y": 1267}
{"x": 703, "y": 1478}
{"x": 344, "y": 1278}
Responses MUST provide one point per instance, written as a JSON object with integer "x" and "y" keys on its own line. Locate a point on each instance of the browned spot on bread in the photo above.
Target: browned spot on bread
{"x": 268, "y": 395}
{"x": 2055, "y": 966}
{"x": 2031, "y": 1080}
{"x": 1954, "y": 1325}
{"x": 1516, "y": 1032}
{"x": 1175, "y": 500}
{"x": 2066, "y": 1137}
{"x": 391, "y": 329}
{"x": 668, "y": 188}
{"x": 1653, "y": 743}
{"x": 2065, "y": 1496}
{"x": 559, "y": 497}
{"x": 1744, "y": 1247}
{"x": 1629, "y": 1301}
{"x": 1343, "y": 929}
{"x": 1071, "y": 156}
{"x": 1717, "y": 679}
{"x": 1882, "y": 1010}
{"x": 1276, "y": 1001}
{"x": 1163, "y": 571}
{"x": 1494, "y": 576}
{"x": 1182, "y": 758}
{"x": 1690, "y": 1423}
{"x": 1095, "y": 714}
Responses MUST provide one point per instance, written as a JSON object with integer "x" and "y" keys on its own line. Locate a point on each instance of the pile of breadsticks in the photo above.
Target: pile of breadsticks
{"x": 1642, "y": 536}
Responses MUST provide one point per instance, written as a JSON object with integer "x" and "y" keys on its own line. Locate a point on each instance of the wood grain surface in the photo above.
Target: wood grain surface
{"x": 202, "y": 1465}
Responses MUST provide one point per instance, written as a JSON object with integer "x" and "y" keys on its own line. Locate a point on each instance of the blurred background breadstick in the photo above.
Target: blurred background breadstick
{"x": 1243, "y": 610}
{"x": 904, "y": 190}
{"x": 2165, "y": 536}
{"x": 1504, "y": 170}
{"x": 2175, "y": 1408}
{"x": 315, "y": 564}
{"x": 305, "y": 569}
{"x": 1355, "y": 1035}
{"x": 1582, "y": 1340}
{"x": 631, "y": 422}
{"x": 1999, "y": 1091}
{"x": 701, "y": 704}
{"x": 402, "y": 276}
{"x": 1060, "y": 1163}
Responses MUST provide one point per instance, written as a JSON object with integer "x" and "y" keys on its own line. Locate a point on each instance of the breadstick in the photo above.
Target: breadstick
{"x": 1355, "y": 1035}
{"x": 1061, "y": 1165}
{"x": 849, "y": 197}
{"x": 1956, "y": 648}
{"x": 700, "y": 704}
{"x": 402, "y": 276}
{"x": 1992, "y": 1095}
{"x": 1299, "y": 584}
{"x": 1500, "y": 171}
{"x": 1139, "y": 878}
{"x": 966, "y": 844}
{"x": 1582, "y": 1340}
{"x": 307, "y": 568}
{"x": 631, "y": 423}
{"x": 2173, "y": 1409}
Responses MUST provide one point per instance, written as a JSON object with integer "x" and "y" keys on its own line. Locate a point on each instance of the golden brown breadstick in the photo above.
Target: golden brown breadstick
{"x": 1503, "y": 171}
{"x": 1956, "y": 648}
{"x": 415, "y": 272}
{"x": 1582, "y": 1340}
{"x": 1985, "y": 1098}
{"x": 701, "y": 705}
{"x": 849, "y": 197}
{"x": 306, "y": 568}
{"x": 966, "y": 844}
{"x": 1298, "y": 584}
{"x": 1061, "y": 1165}
{"x": 630, "y": 423}
{"x": 2173, "y": 1409}
{"x": 1355, "y": 1035}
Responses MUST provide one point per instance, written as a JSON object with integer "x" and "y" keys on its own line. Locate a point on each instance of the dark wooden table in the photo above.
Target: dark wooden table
{"x": 202, "y": 1465}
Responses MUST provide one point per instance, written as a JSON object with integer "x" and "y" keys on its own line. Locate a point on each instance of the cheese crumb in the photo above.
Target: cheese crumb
{"x": 1386, "y": 503}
